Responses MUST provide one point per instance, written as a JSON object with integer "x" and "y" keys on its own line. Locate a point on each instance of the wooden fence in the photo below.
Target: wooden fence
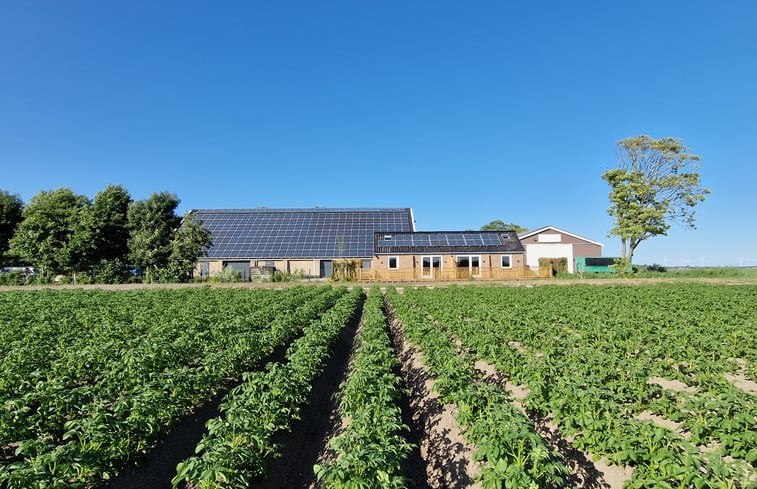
{"x": 418, "y": 275}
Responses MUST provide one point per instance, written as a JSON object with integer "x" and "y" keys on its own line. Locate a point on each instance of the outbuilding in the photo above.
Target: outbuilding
{"x": 447, "y": 255}
{"x": 553, "y": 242}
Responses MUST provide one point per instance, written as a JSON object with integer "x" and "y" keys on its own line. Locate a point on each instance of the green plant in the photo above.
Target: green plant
{"x": 109, "y": 374}
{"x": 371, "y": 448}
{"x": 237, "y": 444}
{"x": 11, "y": 278}
{"x": 558, "y": 265}
{"x": 279, "y": 276}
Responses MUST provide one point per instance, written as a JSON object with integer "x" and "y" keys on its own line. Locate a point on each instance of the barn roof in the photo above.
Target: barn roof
{"x": 528, "y": 234}
{"x": 310, "y": 233}
{"x": 448, "y": 242}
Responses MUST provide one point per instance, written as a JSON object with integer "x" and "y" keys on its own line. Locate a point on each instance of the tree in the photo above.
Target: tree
{"x": 190, "y": 242}
{"x": 110, "y": 214}
{"x": 499, "y": 225}
{"x": 56, "y": 232}
{"x": 11, "y": 209}
{"x": 111, "y": 233}
{"x": 653, "y": 187}
{"x": 152, "y": 224}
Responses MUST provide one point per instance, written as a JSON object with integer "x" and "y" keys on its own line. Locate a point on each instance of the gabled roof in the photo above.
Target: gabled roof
{"x": 447, "y": 242}
{"x": 528, "y": 234}
{"x": 311, "y": 233}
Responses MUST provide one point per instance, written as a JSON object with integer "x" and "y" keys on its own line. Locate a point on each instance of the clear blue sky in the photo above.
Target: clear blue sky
{"x": 464, "y": 111}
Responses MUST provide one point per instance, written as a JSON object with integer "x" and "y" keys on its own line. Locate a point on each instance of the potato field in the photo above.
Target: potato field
{"x": 590, "y": 386}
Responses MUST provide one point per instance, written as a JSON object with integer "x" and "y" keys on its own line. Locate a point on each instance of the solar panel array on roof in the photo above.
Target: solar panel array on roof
{"x": 451, "y": 241}
{"x": 442, "y": 239}
{"x": 299, "y": 233}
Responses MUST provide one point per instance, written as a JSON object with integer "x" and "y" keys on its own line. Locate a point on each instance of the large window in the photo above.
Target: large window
{"x": 469, "y": 263}
{"x": 394, "y": 262}
{"x": 431, "y": 266}
{"x": 506, "y": 261}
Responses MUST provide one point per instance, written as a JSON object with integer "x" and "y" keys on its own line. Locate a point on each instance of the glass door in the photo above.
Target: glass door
{"x": 431, "y": 266}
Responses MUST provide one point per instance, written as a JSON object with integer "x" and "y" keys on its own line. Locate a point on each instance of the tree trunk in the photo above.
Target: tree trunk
{"x": 632, "y": 249}
{"x": 623, "y": 248}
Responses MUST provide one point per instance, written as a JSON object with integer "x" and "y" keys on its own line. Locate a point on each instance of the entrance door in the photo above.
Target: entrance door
{"x": 326, "y": 268}
{"x": 431, "y": 267}
{"x": 468, "y": 266}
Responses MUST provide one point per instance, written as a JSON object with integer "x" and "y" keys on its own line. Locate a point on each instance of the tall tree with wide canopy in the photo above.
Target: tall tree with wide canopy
{"x": 11, "y": 214}
{"x": 56, "y": 232}
{"x": 654, "y": 186}
{"x": 152, "y": 224}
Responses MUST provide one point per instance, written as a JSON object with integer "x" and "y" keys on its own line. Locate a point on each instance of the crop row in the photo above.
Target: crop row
{"x": 371, "y": 448}
{"x": 122, "y": 370}
{"x": 589, "y": 357}
{"x": 235, "y": 448}
{"x": 513, "y": 453}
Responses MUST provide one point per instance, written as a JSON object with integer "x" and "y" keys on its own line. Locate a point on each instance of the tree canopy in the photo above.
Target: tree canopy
{"x": 62, "y": 233}
{"x": 190, "y": 242}
{"x": 653, "y": 186}
{"x": 11, "y": 214}
{"x": 499, "y": 225}
{"x": 55, "y": 233}
{"x": 153, "y": 223}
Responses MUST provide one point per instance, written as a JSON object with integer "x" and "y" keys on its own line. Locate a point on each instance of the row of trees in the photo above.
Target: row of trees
{"x": 63, "y": 233}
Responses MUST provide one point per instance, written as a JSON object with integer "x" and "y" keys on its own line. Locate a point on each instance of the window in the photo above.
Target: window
{"x": 468, "y": 265}
{"x": 549, "y": 238}
{"x": 394, "y": 262}
{"x": 365, "y": 264}
{"x": 431, "y": 266}
{"x": 506, "y": 261}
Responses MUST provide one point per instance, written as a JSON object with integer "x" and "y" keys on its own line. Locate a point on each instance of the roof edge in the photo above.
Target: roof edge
{"x": 528, "y": 234}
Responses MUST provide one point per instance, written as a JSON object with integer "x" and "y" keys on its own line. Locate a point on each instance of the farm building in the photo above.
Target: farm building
{"x": 450, "y": 255}
{"x": 367, "y": 244}
{"x": 294, "y": 240}
{"x": 553, "y": 242}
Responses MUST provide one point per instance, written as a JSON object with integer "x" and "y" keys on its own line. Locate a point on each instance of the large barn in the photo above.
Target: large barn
{"x": 306, "y": 241}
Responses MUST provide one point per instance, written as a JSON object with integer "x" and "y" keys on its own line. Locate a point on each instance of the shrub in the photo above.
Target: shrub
{"x": 558, "y": 265}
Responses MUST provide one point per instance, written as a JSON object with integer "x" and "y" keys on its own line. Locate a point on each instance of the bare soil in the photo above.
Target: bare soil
{"x": 741, "y": 382}
{"x": 673, "y": 385}
{"x": 660, "y": 421}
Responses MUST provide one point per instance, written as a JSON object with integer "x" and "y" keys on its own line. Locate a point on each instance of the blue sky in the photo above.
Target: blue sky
{"x": 464, "y": 111}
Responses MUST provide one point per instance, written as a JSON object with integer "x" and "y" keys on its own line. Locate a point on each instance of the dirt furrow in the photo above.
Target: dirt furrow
{"x": 307, "y": 443}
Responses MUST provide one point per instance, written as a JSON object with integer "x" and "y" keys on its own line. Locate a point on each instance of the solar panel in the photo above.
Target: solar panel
{"x": 299, "y": 233}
